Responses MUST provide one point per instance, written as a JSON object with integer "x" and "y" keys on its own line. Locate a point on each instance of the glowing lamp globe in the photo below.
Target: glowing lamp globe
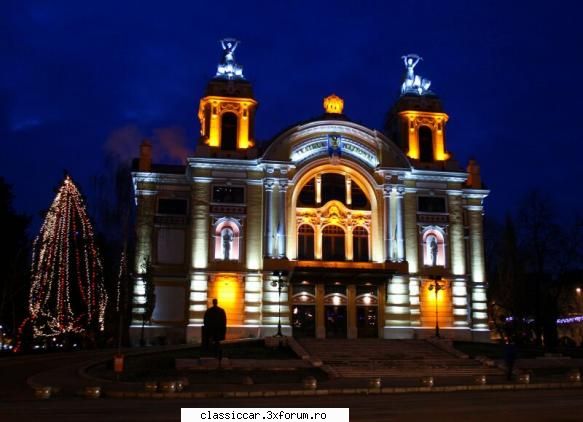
{"x": 333, "y": 104}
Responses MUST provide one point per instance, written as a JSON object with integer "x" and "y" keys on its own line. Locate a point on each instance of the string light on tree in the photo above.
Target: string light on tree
{"x": 67, "y": 293}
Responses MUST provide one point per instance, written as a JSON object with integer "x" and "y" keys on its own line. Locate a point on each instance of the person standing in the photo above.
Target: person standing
{"x": 215, "y": 328}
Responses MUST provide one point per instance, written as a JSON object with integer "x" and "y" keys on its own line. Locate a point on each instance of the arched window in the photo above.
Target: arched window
{"x": 425, "y": 144}
{"x": 333, "y": 244}
{"x": 360, "y": 244}
{"x": 305, "y": 242}
{"x": 229, "y": 132}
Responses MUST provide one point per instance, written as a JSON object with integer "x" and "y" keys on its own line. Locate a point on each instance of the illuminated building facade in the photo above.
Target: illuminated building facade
{"x": 361, "y": 224}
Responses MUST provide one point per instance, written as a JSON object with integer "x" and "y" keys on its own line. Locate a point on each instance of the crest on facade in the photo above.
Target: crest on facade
{"x": 334, "y": 146}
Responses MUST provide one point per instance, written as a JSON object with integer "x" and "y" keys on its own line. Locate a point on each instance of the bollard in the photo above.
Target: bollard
{"x": 480, "y": 380}
{"x": 375, "y": 382}
{"x": 92, "y": 392}
{"x": 524, "y": 378}
{"x": 310, "y": 383}
{"x": 151, "y": 386}
{"x": 574, "y": 375}
{"x": 43, "y": 393}
{"x": 168, "y": 387}
{"x": 427, "y": 381}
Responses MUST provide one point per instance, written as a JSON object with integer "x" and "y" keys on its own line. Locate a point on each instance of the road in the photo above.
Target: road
{"x": 17, "y": 402}
{"x": 535, "y": 405}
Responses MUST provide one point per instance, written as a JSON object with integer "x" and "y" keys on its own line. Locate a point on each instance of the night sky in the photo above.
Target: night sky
{"x": 82, "y": 79}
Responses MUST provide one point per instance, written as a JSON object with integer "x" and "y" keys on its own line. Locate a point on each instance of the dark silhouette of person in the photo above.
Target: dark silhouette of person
{"x": 215, "y": 328}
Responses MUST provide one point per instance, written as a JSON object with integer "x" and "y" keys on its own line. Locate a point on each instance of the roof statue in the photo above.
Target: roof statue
{"x": 228, "y": 67}
{"x": 414, "y": 84}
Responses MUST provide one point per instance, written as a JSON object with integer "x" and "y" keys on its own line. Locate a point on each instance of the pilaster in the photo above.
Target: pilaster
{"x": 200, "y": 200}
{"x": 253, "y": 291}
{"x": 281, "y": 219}
{"x": 268, "y": 212}
{"x": 397, "y": 309}
{"x": 456, "y": 234}
{"x": 254, "y": 227}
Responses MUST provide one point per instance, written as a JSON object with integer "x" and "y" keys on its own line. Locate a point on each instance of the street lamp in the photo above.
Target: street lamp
{"x": 436, "y": 286}
{"x": 280, "y": 283}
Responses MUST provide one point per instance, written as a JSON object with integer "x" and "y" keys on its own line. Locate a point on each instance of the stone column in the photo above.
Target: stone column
{"x": 318, "y": 183}
{"x": 348, "y": 242}
{"x": 268, "y": 185}
{"x": 400, "y": 221}
{"x": 348, "y": 190}
{"x": 318, "y": 242}
{"x": 387, "y": 221}
{"x": 351, "y": 330}
{"x": 320, "y": 317}
{"x": 281, "y": 219}
{"x": 382, "y": 301}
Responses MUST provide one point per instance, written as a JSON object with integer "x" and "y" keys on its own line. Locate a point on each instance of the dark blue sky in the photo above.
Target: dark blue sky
{"x": 78, "y": 79}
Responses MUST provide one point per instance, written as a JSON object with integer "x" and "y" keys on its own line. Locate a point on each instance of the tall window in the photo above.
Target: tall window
{"x": 229, "y": 132}
{"x": 425, "y": 144}
{"x": 360, "y": 244}
{"x": 305, "y": 242}
{"x": 333, "y": 244}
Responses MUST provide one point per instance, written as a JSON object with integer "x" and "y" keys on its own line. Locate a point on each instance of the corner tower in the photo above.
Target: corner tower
{"x": 227, "y": 111}
{"x": 417, "y": 120}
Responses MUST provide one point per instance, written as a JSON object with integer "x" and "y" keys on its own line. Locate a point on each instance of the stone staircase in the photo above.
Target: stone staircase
{"x": 363, "y": 358}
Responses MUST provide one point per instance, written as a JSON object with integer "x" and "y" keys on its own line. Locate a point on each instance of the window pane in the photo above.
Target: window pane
{"x": 431, "y": 204}
{"x": 172, "y": 206}
{"x": 229, "y": 194}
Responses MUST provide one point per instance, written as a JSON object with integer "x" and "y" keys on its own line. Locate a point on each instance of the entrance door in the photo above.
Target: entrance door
{"x": 335, "y": 321}
{"x": 367, "y": 311}
{"x": 366, "y": 321}
{"x": 304, "y": 320}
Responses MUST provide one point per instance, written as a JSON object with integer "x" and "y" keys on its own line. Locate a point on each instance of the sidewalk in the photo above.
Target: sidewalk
{"x": 71, "y": 380}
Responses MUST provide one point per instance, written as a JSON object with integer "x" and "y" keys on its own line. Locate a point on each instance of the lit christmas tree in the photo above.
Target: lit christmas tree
{"x": 67, "y": 294}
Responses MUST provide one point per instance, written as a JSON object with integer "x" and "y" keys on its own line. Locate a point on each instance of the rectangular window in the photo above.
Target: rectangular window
{"x": 229, "y": 194}
{"x": 172, "y": 206}
{"x": 431, "y": 204}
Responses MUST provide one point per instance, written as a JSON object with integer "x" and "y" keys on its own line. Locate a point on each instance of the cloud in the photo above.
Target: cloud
{"x": 169, "y": 144}
{"x": 123, "y": 143}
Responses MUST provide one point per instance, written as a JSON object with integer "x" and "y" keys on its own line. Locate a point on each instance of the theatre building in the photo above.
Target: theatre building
{"x": 338, "y": 229}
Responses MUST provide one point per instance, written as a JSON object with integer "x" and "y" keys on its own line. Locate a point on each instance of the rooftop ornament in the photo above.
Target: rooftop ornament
{"x": 228, "y": 67}
{"x": 333, "y": 104}
{"x": 414, "y": 84}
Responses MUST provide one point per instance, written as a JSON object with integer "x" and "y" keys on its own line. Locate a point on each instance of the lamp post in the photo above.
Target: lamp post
{"x": 436, "y": 286}
{"x": 280, "y": 283}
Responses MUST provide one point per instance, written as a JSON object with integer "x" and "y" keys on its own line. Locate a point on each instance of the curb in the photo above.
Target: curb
{"x": 339, "y": 391}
